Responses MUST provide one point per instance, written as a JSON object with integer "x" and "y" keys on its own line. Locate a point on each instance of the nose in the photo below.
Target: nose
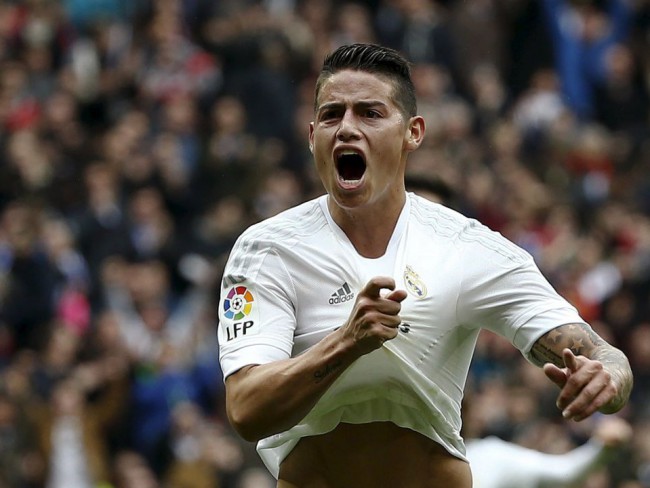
{"x": 348, "y": 129}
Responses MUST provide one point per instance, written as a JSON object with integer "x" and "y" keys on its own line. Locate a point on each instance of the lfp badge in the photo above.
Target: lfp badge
{"x": 239, "y": 313}
{"x": 238, "y": 303}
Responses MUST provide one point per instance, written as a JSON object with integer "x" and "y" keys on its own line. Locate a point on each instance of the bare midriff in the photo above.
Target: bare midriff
{"x": 374, "y": 455}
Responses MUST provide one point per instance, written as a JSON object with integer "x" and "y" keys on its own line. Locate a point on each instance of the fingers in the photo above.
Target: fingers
{"x": 375, "y": 316}
{"x": 587, "y": 402}
{"x": 555, "y": 374}
{"x": 588, "y": 387}
{"x": 570, "y": 359}
{"x": 559, "y": 376}
{"x": 375, "y": 285}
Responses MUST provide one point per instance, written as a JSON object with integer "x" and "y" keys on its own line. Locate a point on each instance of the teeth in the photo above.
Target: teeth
{"x": 348, "y": 152}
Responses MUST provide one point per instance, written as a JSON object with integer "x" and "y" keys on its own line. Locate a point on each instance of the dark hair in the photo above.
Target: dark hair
{"x": 377, "y": 60}
{"x": 431, "y": 184}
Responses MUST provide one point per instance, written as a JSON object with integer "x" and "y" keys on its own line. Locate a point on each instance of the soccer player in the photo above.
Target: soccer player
{"x": 347, "y": 324}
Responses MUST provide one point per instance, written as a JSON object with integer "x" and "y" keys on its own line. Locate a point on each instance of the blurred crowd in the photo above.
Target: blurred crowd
{"x": 138, "y": 138}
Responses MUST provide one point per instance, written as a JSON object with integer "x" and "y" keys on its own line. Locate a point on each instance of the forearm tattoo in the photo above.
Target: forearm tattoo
{"x": 582, "y": 340}
{"x": 328, "y": 369}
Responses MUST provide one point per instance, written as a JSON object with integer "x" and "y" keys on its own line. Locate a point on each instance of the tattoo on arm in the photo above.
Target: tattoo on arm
{"x": 582, "y": 340}
{"x": 328, "y": 369}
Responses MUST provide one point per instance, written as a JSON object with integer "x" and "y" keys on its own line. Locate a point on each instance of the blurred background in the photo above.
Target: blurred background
{"x": 138, "y": 138}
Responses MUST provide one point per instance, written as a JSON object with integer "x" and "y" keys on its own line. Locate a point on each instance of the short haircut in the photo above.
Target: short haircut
{"x": 374, "y": 59}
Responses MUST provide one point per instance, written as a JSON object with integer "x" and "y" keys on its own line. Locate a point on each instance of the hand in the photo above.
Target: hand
{"x": 375, "y": 316}
{"x": 586, "y": 386}
{"x": 613, "y": 431}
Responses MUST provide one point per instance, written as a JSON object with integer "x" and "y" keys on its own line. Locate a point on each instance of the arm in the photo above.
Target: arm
{"x": 570, "y": 468}
{"x": 262, "y": 400}
{"x": 592, "y": 374}
{"x": 499, "y": 463}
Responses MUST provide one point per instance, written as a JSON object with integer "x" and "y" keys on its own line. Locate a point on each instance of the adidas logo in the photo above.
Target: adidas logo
{"x": 341, "y": 295}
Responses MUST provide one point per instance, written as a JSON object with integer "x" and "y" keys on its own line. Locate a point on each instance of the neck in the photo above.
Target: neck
{"x": 369, "y": 228}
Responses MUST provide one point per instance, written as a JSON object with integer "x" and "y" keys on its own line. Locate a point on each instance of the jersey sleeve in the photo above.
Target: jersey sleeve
{"x": 504, "y": 291}
{"x": 256, "y": 312}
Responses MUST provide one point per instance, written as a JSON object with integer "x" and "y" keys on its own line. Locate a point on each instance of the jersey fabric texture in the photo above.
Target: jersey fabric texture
{"x": 293, "y": 278}
{"x": 499, "y": 464}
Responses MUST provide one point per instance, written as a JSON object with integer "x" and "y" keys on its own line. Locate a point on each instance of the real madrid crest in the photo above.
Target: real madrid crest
{"x": 414, "y": 284}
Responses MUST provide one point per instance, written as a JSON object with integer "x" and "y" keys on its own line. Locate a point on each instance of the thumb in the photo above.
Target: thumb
{"x": 555, "y": 374}
{"x": 397, "y": 295}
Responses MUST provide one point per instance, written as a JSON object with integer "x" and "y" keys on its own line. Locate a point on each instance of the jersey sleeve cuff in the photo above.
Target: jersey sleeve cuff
{"x": 234, "y": 360}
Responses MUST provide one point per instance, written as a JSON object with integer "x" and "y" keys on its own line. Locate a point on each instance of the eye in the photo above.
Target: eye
{"x": 329, "y": 114}
{"x": 372, "y": 114}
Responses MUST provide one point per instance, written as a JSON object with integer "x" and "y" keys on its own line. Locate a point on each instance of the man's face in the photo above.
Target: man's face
{"x": 360, "y": 139}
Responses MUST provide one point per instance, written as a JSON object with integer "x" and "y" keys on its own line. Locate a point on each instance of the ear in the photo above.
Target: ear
{"x": 415, "y": 134}
{"x": 311, "y": 137}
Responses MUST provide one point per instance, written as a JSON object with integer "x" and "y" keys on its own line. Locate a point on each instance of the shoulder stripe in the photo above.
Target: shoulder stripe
{"x": 252, "y": 246}
{"x": 492, "y": 240}
{"x": 448, "y": 223}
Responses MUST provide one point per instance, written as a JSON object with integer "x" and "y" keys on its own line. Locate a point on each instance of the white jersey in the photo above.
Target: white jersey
{"x": 500, "y": 464}
{"x": 292, "y": 279}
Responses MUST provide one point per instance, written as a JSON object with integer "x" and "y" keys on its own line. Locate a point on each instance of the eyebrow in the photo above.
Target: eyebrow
{"x": 358, "y": 104}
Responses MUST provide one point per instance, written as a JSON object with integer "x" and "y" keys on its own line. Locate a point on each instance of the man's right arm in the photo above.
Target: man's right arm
{"x": 265, "y": 399}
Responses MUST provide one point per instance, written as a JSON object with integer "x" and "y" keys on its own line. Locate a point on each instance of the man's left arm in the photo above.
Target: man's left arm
{"x": 592, "y": 374}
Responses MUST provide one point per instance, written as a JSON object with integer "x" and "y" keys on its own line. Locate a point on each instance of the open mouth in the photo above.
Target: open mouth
{"x": 351, "y": 166}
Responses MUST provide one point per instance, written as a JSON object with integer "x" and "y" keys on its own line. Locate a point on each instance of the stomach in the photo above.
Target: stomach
{"x": 372, "y": 455}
